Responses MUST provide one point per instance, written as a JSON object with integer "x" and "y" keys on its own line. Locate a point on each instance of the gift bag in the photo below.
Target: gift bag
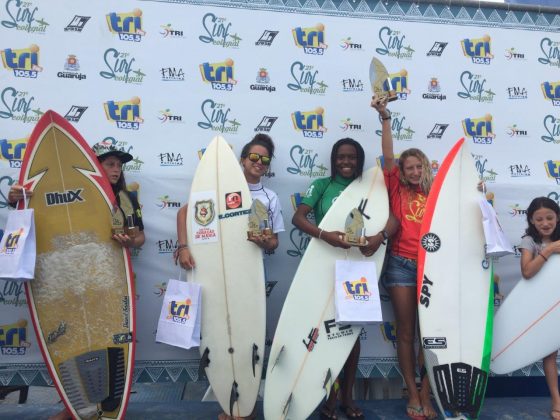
{"x": 17, "y": 246}
{"x": 356, "y": 293}
{"x": 179, "y": 320}
{"x": 497, "y": 244}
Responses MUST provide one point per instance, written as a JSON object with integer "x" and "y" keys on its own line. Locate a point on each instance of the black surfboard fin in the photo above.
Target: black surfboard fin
{"x": 287, "y": 405}
{"x": 277, "y": 358}
{"x": 255, "y": 357}
{"x": 204, "y": 363}
{"x": 233, "y": 397}
{"x": 328, "y": 382}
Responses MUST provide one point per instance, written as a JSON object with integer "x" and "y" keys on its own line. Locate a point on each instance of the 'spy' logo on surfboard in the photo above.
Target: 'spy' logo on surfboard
{"x": 204, "y": 212}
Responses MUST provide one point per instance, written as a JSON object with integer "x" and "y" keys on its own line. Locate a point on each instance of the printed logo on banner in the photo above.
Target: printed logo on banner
{"x": 135, "y": 165}
{"x": 552, "y": 127}
{"x": 487, "y": 175}
{"x": 348, "y": 125}
{"x": 348, "y": 45}
{"x": 23, "y": 17}
{"x": 217, "y": 117}
{"x": 266, "y": 38}
{"x": 219, "y": 75}
{"x": 127, "y": 25}
{"x": 161, "y": 288}
{"x": 178, "y": 311}
{"x": 120, "y": 67}
{"x": 551, "y": 92}
{"x": 13, "y": 293}
{"x": 515, "y": 131}
{"x": 305, "y": 163}
{"x": 299, "y": 240}
{"x": 389, "y": 332}
{"x": 12, "y": 151}
{"x": 170, "y": 159}
{"x": 475, "y": 88}
{"x": 263, "y": 81}
{"x": 77, "y": 23}
{"x": 550, "y": 52}
{"x": 17, "y": 106}
{"x": 312, "y": 40}
{"x": 437, "y": 49}
{"x": 23, "y": 62}
{"x": 435, "y": 166}
{"x": 400, "y": 129}
{"x": 553, "y": 169}
{"x": 437, "y": 131}
{"x": 72, "y": 67}
{"x": 166, "y": 116}
{"x": 479, "y": 129}
{"x": 266, "y": 124}
{"x": 352, "y": 85}
{"x": 434, "y": 90}
{"x": 168, "y": 32}
{"x": 399, "y": 82}
{"x": 516, "y": 210}
{"x": 218, "y": 32}
{"x": 478, "y": 49}
{"x": 517, "y": 92}
{"x": 172, "y": 74}
{"x": 512, "y": 54}
{"x": 126, "y": 114}
{"x": 519, "y": 170}
{"x": 305, "y": 78}
{"x": 394, "y": 44}
{"x": 310, "y": 123}
{"x": 166, "y": 246}
{"x": 553, "y": 195}
{"x": 498, "y": 297}
{"x": 13, "y": 339}
{"x": 164, "y": 202}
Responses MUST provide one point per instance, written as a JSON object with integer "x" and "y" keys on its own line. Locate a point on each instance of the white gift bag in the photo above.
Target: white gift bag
{"x": 497, "y": 244}
{"x": 17, "y": 246}
{"x": 179, "y": 320}
{"x": 356, "y": 293}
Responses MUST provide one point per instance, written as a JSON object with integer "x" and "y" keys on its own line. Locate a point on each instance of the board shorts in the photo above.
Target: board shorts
{"x": 399, "y": 271}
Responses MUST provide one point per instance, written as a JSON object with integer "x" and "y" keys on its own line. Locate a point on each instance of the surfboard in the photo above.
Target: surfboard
{"x": 309, "y": 349}
{"x": 82, "y": 298}
{"x": 526, "y": 325}
{"x": 231, "y": 274}
{"x": 455, "y": 289}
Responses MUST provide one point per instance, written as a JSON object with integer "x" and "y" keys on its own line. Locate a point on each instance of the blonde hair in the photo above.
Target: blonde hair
{"x": 427, "y": 177}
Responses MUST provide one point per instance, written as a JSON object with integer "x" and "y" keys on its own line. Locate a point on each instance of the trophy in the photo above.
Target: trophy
{"x": 130, "y": 229}
{"x": 259, "y": 225}
{"x": 120, "y": 228}
{"x": 380, "y": 81}
{"x": 354, "y": 230}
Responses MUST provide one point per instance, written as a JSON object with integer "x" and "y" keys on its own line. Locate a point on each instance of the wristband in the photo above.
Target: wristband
{"x": 320, "y": 233}
{"x": 541, "y": 254}
{"x": 181, "y": 246}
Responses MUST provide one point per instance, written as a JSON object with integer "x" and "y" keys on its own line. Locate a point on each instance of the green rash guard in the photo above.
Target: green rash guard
{"x": 322, "y": 194}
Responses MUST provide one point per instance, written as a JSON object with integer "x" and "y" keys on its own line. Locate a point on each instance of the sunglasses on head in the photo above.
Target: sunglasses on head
{"x": 254, "y": 157}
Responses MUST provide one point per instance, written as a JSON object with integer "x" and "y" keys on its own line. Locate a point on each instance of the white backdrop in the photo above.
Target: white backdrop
{"x": 190, "y": 70}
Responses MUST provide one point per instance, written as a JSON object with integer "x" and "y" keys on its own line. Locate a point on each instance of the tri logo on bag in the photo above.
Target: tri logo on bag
{"x": 11, "y": 243}
{"x": 179, "y": 311}
{"x": 357, "y": 289}
{"x": 204, "y": 212}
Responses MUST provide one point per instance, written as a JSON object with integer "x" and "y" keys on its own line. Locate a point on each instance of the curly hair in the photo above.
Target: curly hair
{"x": 427, "y": 177}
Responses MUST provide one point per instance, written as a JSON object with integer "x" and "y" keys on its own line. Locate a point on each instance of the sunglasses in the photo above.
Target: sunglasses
{"x": 254, "y": 157}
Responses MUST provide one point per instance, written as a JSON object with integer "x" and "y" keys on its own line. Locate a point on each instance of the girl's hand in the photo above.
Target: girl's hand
{"x": 380, "y": 104}
{"x": 16, "y": 193}
{"x": 553, "y": 248}
{"x": 334, "y": 238}
{"x": 184, "y": 257}
{"x": 268, "y": 243}
{"x": 374, "y": 242}
{"x": 125, "y": 240}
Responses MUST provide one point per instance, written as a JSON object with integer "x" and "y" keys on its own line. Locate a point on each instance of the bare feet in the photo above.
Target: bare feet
{"x": 428, "y": 408}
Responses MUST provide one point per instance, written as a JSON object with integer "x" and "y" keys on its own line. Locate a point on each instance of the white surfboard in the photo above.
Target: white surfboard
{"x": 526, "y": 325}
{"x": 230, "y": 271}
{"x": 455, "y": 288}
{"x": 309, "y": 348}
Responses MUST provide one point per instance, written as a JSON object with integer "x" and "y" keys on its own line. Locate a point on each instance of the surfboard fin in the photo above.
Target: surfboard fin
{"x": 277, "y": 358}
{"x": 460, "y": 388}
{"x": 328, "y": 382}
{"x": 255, "y": 357}
{"x": 287, "y": 406}
{"x": 204, "y": 363}
{"x": 233, "y": 397}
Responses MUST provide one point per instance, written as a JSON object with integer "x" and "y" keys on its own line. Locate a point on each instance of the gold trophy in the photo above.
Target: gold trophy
{"x": 120, "y": 228}
{"x": 380, "y": 81}
{"x": 259, "y": 225}
{"x": 354, "y": 230}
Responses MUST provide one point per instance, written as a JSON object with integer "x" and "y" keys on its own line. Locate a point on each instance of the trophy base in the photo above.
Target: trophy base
{"x": 354, "y": 240}
{"x": 132, "y": 232}
{"x": 391, "y": 96}
{"x": 264, "y": 233}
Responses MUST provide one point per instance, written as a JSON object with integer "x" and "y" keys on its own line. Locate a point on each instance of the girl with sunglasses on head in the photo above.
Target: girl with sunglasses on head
{"x": 347, "y": 164}
{"x": 408, "y": 183}
{"x": 541, "y": 240}
{"x": 256, "y": 157}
